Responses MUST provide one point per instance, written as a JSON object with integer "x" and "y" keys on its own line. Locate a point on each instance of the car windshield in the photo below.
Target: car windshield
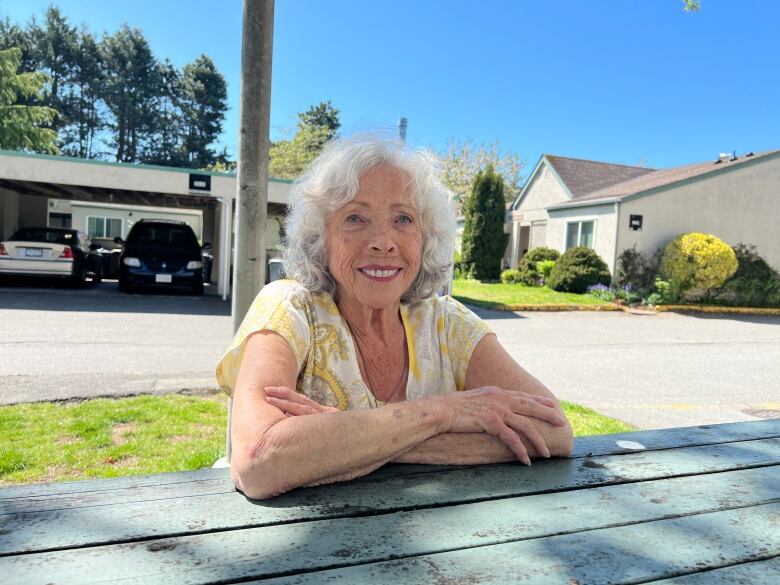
{"x": 163, "y": 235}
{"x": 45, "y": 235}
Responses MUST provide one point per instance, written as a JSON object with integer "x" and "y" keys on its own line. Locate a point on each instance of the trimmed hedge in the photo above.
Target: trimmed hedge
{"x": 528, "y": 272}
{"x": 578, "y": 269}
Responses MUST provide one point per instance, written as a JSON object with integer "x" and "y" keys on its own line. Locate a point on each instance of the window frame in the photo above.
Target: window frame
{"x": 105, "y": 225}
{"x": 579, "y": 223}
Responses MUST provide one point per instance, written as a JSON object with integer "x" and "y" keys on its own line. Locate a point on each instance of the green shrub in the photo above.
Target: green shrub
{"x": 637, "y": 270}
{"x": 653, "y": 299}
{"x": 578, "y": 269}
{"x": 528, "y": 267}
{"x": 697, "y": 261}
{"x": 754, "y": 284}
{"x": 752, "y": 266}
{"x": 544, "y": 268}
{"x": 511, "y": 276}
{"x": 663, "y": 288}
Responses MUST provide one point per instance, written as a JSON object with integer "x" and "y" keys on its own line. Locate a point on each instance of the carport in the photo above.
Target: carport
{"x": 30, "y": 185}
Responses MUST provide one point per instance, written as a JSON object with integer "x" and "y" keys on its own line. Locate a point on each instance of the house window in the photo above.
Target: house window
{"x": 104, "y": 227}
{"x": 580, "y": 233}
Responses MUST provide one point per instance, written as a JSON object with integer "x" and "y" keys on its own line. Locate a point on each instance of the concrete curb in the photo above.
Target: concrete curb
{"x": 714, "y": 309}
{"x": 710, "y": 309}
{"x": 551, "y": 308}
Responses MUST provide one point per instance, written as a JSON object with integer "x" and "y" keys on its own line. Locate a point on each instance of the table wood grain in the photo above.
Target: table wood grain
{"x": 691, "y": 506}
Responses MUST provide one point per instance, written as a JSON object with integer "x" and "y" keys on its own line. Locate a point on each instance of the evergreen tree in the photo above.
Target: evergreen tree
{"x": 131, "y": 91}
{"x": 484, "y": 240}
{"x": 23, "y": 126}
{"x": 321, "y": 115}
{"x": 86, "y": 121}
{"x": 289, "y": 158}
{"x": 54, "y": 45}
{"x": 204, "y": 103}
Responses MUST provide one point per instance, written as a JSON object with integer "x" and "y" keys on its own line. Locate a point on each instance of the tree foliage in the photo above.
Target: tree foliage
{"x": 317, "y": 125}
{"x": 696, "y": 260}
{"x": 484, "y": 240}
{"x": 23, "y": 125}
{"x": 462, "y": 160}
{"x": 116, "y": 99}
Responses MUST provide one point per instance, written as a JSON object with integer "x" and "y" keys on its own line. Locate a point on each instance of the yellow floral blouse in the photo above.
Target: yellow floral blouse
{"x": 441, "y": 336}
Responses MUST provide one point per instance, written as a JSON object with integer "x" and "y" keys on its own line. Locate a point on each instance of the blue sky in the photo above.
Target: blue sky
{"x": 632, "y": 82}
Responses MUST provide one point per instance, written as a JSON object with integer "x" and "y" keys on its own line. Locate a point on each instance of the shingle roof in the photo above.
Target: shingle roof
{"x": 660, "y": 178}
{"x": 586, "y": 176}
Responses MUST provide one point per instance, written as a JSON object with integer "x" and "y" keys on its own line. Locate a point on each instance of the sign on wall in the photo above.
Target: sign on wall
{"x": 635, "y": 223}
{"x": 201, "y": 183}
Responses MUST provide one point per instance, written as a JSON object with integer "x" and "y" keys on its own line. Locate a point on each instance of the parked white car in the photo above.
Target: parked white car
{"x": 50, "y": 252}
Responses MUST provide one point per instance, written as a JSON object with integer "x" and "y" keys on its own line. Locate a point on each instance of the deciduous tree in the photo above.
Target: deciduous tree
{"x": 462, "y": 161}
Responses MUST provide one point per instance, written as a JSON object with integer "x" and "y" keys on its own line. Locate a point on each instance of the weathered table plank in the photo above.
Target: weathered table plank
{"x": 584, "y": 446}
{"x": 25, "y": 527}
{"x": 291, "y": 548}
{"x": 627, "y": 554}
{"x": 754, "y": 573}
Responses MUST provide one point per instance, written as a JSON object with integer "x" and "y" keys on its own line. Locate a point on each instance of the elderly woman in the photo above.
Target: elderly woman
{"x": 356, "y": 361}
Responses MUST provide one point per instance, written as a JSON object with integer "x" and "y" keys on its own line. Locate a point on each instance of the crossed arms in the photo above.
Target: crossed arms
{"x": 283, "y": 440}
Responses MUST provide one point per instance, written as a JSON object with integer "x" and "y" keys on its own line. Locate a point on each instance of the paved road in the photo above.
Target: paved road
{"x": 651, "y": 371}
{"x": 59, "y": 343}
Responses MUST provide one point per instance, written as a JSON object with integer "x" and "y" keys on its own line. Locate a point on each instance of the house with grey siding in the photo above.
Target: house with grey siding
{"x": 569, "y": 202}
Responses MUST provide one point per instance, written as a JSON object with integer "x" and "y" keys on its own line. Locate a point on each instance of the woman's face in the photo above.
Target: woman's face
{"x": 374, "y": 242}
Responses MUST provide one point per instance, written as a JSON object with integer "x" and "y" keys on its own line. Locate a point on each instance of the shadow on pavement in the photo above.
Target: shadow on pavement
{"x": 105, "y": 298}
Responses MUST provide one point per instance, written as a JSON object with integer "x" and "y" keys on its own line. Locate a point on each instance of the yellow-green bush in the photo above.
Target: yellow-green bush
{"x": 697, "y": 260}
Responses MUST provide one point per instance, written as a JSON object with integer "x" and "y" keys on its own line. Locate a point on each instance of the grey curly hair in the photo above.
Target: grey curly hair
{"x": 332, "y": 181}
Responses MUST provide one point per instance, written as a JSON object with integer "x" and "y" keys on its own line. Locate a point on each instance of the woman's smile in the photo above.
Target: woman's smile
{"x": 380, "y": 273}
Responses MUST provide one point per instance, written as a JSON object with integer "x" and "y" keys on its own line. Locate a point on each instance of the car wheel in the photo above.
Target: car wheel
{"x": 79, "y": 277}
{"x": 97, "y": 276}
{"x": 125, "y": 288}
{"x": 197, "y": 289}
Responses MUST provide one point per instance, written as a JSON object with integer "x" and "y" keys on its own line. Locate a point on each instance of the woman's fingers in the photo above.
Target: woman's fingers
{"x": 288, "y": 406}
{"x": 512, "y": 440}
{"x": 293, "y": 402}
{"x": 525, "y": 427}
{"x": 528, "y": 407}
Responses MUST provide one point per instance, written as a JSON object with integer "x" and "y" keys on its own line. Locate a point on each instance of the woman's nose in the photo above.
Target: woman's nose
{"x": 382, "y": 238}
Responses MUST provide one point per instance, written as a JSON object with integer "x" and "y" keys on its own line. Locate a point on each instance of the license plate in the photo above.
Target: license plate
{"x": 163, "y": 278}
{"x": 33, "y": 252}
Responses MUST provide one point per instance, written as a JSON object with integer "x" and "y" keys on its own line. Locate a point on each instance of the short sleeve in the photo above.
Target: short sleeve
{"x": 280, "y": 307}
{"x": 464, "y": 330}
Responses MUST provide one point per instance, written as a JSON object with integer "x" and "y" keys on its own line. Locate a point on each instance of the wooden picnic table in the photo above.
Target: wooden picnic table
{"x": 692, "y": 505}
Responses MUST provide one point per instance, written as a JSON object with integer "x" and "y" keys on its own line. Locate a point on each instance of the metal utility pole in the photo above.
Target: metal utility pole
{"x": 252, "y": 195}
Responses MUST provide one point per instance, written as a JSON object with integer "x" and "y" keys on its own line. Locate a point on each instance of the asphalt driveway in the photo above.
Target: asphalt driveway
{"x": 651, "y": 371}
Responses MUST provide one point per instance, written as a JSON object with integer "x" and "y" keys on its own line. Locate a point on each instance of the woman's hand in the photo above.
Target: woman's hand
{"x": 505, "y": 414}
{"x": 292, "y": 403}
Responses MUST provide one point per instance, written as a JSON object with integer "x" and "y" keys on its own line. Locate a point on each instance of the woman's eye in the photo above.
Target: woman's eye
{"x": 405, "y": 219}
{"x": 353, "y": 218}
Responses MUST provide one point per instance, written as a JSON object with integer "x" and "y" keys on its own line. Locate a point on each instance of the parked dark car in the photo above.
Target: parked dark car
{"x": 162, "y": 254}
{"x": 51, "y": 252}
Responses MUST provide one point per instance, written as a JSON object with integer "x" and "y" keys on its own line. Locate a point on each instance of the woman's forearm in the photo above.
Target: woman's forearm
{"x": 458, "y": 449}
{"x": 309, "y": 450}
{"x": 476, "y": 448}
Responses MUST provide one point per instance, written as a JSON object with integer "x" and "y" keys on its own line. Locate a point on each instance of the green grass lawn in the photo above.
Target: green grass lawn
{"x": 490, "y": 295}
{"x": 46, "y": 442}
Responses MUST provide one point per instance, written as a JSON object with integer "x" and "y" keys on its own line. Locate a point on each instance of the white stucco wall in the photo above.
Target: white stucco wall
{"x": 738, "y": 206}
{"x": 544, "y": 191}
{"x": 605, "y": 226}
